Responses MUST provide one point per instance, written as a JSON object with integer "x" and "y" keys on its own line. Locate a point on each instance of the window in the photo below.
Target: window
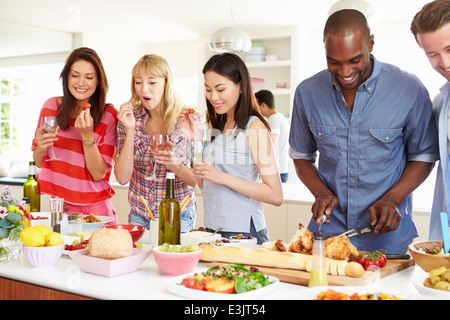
{"x": 10, "y": 108}
{"x": 23, "y": 91}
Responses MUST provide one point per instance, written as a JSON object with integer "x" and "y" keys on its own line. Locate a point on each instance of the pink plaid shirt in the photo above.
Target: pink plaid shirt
{"x": 143, "y": 164}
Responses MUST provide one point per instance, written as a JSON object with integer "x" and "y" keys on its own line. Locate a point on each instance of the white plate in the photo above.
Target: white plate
{"x": 97, "y": 225}
{"x": 175, "y": 286}
{"x": 312, "y": 293}
{"x": 419, "y": 279}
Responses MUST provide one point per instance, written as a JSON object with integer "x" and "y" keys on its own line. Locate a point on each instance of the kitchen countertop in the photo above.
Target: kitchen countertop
{"x": 149, "y": 283}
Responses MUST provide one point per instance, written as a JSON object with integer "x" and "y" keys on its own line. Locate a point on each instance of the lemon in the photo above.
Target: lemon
{"x": 53, "y": 239}
{"x": 44, "y": 229}
{"x": 32, "y": 237}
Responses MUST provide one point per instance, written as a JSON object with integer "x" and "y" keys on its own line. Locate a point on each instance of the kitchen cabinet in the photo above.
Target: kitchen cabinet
{"x": 18, "y": 290}
{"x": 283, "y": 43}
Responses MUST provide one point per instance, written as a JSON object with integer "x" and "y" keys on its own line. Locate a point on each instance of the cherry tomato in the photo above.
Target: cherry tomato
{"x": 191, "y": 110}
{"x": 372, "y": 260}
{"x": 87, "y": 105}
{"x": 197, "y": 282}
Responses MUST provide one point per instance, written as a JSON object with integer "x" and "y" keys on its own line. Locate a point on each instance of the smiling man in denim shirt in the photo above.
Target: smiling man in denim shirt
{"x": 431, "y": 28}
{"x": 371, "y": 124}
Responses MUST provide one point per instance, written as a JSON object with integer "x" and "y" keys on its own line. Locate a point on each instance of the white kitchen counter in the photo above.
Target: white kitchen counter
{"x": 148, "y": 283}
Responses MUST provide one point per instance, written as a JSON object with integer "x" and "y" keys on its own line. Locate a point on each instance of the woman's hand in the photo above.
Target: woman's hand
{"x": 95, "y": 164}
{"x": 186, "y": 121}
{"x": 45, "y": 140}
{"x": 84, "y": 123}
{"x": 167, "y": 158}
{"x": 207, "y": 171}
{"x": 126, "y": 116}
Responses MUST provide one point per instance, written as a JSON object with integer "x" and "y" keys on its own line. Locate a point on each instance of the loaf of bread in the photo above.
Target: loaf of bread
{"x": 111, "y": 244}
{"x": 354, "y": 269}
{"x": 267, "y": 258}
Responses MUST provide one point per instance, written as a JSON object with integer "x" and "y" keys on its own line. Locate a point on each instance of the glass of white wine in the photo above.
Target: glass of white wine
{"x": 50, "y": 125}
{"x": 158, "y": 142}
{"x": 197, "y": 153}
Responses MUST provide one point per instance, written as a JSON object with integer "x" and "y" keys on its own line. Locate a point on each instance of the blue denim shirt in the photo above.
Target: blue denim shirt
{"x": 363, "y": 153}
{"x": 441, "y": 199}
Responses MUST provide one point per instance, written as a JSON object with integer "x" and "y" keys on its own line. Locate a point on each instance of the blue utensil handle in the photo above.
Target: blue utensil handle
{"x": 445, "y": 231}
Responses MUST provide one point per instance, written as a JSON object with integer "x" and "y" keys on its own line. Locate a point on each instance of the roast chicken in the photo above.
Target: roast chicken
{"x": 336, "y": 248}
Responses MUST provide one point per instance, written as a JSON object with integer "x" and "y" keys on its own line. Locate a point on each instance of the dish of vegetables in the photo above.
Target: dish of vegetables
{"x": 234, "y": 281}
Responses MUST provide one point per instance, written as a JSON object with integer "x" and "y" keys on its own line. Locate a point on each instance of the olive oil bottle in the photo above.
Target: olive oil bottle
{"x": 169, "y": 214}
{"x": 31, "y": 189}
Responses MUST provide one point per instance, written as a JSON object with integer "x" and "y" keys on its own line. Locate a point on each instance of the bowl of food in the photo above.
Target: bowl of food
{"x": 135, "y": 230}
{"x": 429, "y": 255}
{"x": 197, "y": 237}
{"x": 243, "y": 241}
{"x": 175, "y": 260}
{"x": 42, "y": 256}
{"x": 92, "y": 222}
{"x": 435, "y": 283}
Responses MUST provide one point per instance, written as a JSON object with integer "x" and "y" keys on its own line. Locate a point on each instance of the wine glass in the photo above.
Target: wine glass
{"x": 158, "y": 142}
{"x": 197, "y": 153}
{"x": 50, "y": 125}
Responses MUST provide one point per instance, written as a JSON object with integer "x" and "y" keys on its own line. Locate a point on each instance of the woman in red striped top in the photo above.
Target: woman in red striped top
{"x": 86, "y": 142}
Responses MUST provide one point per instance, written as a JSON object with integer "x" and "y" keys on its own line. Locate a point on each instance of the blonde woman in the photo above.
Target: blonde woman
{"x": 153, "y": 108}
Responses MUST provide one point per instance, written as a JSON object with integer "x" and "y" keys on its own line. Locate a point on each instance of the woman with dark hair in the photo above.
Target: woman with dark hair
{"x": 240, "y": 171}
{"x": 85, "y": 145}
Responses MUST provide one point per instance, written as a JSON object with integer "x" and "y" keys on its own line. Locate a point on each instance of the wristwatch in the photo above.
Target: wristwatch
{"x": 88, "y": 144}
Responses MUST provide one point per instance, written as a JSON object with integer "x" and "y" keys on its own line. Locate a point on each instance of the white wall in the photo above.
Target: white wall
{"x": 118, "y": 59}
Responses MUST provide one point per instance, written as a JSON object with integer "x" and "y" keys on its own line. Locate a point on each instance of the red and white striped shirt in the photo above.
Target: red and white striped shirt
{"x": 69, "y": 177}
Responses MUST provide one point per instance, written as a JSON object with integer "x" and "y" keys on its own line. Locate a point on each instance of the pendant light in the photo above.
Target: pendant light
{"x": 363, "y": 6}
{"x": 230, "y": 39}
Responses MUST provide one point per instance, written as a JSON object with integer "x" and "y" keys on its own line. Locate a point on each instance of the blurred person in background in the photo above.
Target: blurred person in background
{"x": 431, "y": 28}
{"x": 279, "y": 127}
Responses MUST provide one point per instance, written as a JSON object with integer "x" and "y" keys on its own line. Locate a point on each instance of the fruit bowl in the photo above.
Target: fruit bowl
{"x": 42, "y": 256}
{"x": 176, "y": 263}
{"x": 135, "y": 230}
{"x": 425, "y": 259}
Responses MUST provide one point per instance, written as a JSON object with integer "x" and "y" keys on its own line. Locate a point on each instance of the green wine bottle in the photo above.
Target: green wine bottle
{"x": 31, "y": 189}
{"x": 169, "y": 214}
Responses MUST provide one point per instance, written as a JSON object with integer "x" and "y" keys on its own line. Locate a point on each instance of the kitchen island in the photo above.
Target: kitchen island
{"x": 65, "y": 280}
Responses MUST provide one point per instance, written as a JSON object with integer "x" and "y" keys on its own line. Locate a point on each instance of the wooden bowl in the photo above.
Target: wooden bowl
{"x": 427, "y": 260}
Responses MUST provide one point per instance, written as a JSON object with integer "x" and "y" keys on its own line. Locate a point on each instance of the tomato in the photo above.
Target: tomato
{"x": 197, "y": 282}
{"x": 191, "y": 110}
{"x": 87, "y": 105}
{"x": 192, "y": 284}
{"x": 82, "y": 245}
{"x": 372, "y": 260}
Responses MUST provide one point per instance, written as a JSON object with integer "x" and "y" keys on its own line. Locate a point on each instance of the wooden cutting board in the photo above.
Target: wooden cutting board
{"x": 302, "y": 277}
